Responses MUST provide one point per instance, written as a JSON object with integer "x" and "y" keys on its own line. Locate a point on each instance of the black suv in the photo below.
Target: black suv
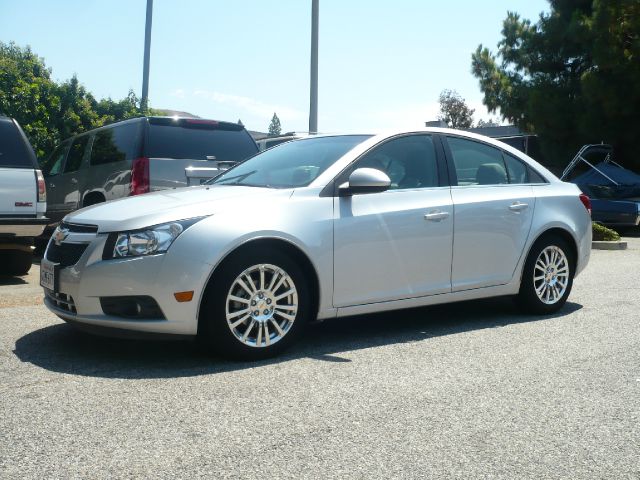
{"x": 140, "y": 155}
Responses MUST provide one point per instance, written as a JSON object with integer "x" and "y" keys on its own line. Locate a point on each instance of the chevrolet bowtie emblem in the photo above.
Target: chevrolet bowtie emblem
{"x": 59, "y": 235}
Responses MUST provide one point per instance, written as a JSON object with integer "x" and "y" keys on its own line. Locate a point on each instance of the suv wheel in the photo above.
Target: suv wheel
{"x": 15, "y": 262}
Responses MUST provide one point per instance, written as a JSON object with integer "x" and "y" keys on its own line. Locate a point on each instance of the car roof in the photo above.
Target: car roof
{"x": 142, "y": 119}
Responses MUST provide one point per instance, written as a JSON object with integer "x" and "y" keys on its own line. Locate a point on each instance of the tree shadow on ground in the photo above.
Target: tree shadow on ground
{"x": 61, "y": 348}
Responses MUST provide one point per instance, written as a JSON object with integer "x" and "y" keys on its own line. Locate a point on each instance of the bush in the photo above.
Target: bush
{"x": 602, "y": 233}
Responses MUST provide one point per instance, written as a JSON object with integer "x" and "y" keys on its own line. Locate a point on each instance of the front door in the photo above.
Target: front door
{"x": 395, "y": 244}
{"x": 63, "y": 192}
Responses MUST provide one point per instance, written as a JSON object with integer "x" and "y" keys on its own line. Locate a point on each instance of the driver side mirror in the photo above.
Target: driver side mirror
{"x": 365, "y": 180}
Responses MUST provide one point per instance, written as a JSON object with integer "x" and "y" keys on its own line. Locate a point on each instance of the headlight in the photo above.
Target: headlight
{"x": 149, "y": 241}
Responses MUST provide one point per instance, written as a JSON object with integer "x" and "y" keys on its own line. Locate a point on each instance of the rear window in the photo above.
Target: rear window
{"x": 115, "y": 144}
{"x": 199, "y": 142}
{"x": 15, "y": 150}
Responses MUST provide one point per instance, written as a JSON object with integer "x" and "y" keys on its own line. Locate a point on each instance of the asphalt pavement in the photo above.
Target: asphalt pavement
{"x": 471, "y": 390}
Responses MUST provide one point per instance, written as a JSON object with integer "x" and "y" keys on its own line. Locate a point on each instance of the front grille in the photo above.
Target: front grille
{"x": 61, "y": 301}
{"x": 79, "y": 228}
{"x": 72, "y": 240}
{"x": 66, "y": 254}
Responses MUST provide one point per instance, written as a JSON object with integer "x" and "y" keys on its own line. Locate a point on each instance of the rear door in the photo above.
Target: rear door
{"x": 52, "y": 167}
{"x": 188, "y": 152}
{"x": 493, "y": 209}
{"x": 18, "y": 187}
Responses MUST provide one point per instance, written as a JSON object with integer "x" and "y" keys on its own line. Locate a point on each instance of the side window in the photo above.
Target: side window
{"x": 477, "y": 163}
{"x": 516, "y": 170}
{"x": 535, "y": 177}
{"x": 76, "y": 153}
{"x": 410, "y": 162}
{"x": 115, "y": 144}
{"x": 521, "y": 173}
{"x": 54, "y": 162}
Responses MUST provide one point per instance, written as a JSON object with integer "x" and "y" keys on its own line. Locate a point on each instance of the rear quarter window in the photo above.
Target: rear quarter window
{"x": 15, "y": 150}
{"x": 169, "y": 141}
{"x": 116, "y": 144}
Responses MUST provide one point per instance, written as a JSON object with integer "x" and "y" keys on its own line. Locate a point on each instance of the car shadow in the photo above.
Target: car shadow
{"x": 8, "y": 280}
{"x": 61, "y": 348}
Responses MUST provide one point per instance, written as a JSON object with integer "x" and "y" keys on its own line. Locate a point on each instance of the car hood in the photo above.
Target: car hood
{"x": 142, "y": 211}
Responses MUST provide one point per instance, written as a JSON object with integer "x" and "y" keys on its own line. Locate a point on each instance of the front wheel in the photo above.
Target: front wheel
{"x": 547, "y": 277}
{"x": 256, "y": 305}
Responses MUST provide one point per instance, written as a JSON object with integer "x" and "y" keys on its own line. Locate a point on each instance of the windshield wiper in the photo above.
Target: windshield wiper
{"x": 237, "y": 178}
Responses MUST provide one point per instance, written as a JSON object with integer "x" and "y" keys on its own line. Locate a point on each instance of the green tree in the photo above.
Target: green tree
{"x": 487, "y": 123}
{"x": 274, "y": 127}
{"x": 454, "y": 111}
{"x": 49, "y": 111}
{"x": 112, "y": 111}
{"x": 28, "y": 94}
{"x": 77, "y": 110}
{"x": 573, "y": 77}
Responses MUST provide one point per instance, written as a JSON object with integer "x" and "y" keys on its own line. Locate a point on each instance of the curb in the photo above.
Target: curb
{"x": 608, "y": 245}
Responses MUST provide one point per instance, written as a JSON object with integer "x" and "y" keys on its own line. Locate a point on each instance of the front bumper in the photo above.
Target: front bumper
{"x": 81, "y": 285}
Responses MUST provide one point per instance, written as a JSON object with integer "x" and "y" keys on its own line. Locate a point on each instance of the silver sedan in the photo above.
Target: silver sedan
{"x": 317, "y": 228}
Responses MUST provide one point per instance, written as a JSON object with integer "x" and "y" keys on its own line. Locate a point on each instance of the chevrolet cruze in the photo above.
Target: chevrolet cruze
{"x": 317, "y": 228}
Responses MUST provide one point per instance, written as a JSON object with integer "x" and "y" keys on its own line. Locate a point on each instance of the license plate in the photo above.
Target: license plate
{"x": 49, "y": 274}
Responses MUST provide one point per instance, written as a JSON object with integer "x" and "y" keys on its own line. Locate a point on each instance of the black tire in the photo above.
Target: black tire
{"x": 15, "y": 262}
{"x": 214, "y": 330}
{"x": 527, "y": 298}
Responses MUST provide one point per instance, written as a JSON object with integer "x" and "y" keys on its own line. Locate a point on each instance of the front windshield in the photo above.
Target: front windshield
{"x": 291, "y": 164}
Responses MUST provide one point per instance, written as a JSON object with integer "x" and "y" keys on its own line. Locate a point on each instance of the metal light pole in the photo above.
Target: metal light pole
{"x": 313, "y": 107}
{"x": 147, "y": 53}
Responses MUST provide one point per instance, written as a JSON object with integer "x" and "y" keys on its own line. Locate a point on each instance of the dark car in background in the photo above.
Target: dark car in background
{"x": 23, "y": 199}
{"x": 140, "y": 155}
{"x": 614, "y": 190}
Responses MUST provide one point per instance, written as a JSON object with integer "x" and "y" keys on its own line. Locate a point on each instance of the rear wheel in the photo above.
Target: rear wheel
{"x": 15, "y": 262}
{"x": 547, "y": 277}
{"x": 256, "y": 306}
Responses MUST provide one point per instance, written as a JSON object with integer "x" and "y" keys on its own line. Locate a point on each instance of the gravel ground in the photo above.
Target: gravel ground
{"x": 457, "y": 391}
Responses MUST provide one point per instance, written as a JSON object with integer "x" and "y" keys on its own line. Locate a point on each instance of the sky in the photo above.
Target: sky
{"x": 381, "y": 64}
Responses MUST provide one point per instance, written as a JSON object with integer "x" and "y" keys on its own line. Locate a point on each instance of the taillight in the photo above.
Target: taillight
{"x": 586, "y": 202}
{"x": 42, "y": 189}
{"x": 140, "y": 176}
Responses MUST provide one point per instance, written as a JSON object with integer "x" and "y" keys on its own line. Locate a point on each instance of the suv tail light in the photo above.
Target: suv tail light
{"x": 42, "y": 188}
{"x": 586, "y": 202}
{"x": 140, "y": 176}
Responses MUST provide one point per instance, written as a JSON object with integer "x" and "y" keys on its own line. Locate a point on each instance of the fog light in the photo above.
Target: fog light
{"x": 134, "y": 307}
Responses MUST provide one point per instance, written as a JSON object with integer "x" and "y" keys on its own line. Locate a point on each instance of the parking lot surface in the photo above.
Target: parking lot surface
{"x": 468, "y": 390}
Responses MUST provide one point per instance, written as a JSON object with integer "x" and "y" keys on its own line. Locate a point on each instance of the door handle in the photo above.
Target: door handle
{"x": 517, "y": 206}
{"x": 52, "y": 185}
{"x": 436, "y": 216}
{"x": 74, "y": 181}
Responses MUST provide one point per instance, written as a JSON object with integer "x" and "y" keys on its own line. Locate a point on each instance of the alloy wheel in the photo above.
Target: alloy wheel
{"x": 551, "y": 275}
{"x": 261, "y": 305}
